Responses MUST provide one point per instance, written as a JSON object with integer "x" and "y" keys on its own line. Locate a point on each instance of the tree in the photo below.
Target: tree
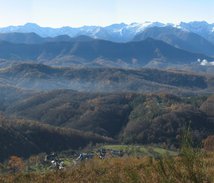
{"x": 16, "y": 164}
{"x": 209, "y": 143}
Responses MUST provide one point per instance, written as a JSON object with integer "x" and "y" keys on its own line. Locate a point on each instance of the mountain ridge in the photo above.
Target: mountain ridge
{"x": 178, "y": 38}
{"x": 94, "y": 51}
{"x": 115, "y": 32}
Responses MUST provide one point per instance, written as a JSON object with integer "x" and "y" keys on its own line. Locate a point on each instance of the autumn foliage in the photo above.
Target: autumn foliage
{"x": 209, "y": 143}
{"x": 16, "y": 164}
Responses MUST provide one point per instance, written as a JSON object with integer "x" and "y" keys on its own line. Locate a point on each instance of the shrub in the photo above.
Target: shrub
{"x": 16, "y": 164}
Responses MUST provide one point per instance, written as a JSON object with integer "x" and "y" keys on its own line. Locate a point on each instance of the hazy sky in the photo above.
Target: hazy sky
{"x": 57, "y": 13}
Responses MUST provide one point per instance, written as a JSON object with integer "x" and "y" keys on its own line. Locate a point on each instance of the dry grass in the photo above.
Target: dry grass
{"x": 209, "y": 161}
{"x": 123, "y": 170}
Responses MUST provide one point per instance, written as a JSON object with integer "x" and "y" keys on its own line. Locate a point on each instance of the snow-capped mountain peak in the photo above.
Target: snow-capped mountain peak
{"x": 116, "y": 32}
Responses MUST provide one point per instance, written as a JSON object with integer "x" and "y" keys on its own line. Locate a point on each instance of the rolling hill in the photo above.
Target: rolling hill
{"x": 127, "y": 117}
{"x": 41, "y": 77}
{"x": 24, "y": 138}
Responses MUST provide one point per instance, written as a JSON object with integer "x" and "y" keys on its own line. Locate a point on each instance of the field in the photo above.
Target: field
{"x": 142, "y": 150}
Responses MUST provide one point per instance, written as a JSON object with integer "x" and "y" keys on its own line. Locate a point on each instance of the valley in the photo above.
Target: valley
{"x": 79, "y": 91}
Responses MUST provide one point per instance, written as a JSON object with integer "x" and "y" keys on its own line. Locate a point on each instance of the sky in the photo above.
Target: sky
{"x": 76, "y": 13}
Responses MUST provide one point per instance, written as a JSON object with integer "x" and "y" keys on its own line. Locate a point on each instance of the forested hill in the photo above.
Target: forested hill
{"x": 127, "y": 117}
{"x": 25, "y": 138}
{"x": 42, "y": 77}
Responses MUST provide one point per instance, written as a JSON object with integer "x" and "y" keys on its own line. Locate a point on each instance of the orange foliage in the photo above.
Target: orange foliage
{"x": 209, "y": 143}
{"x": 16, "y": 164}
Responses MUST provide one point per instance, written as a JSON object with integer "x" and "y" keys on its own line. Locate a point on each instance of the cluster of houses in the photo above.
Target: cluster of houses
{"x": 56, "y": 163}
{"x": 54, "y": 160}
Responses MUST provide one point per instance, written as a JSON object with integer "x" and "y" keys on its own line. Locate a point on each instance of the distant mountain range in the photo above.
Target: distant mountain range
{"x": 151, "y": 44}
{"x": 33, "y": 38}
{"x": 116, "y": 32}
{"x": 179, "y": 38}
{"x": 93, "y": 52}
